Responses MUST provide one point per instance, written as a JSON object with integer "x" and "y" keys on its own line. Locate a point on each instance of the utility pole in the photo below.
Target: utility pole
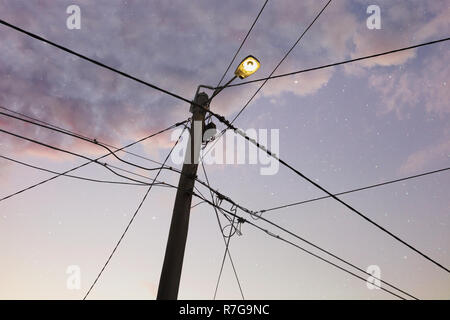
{"x": 176, "y": 243}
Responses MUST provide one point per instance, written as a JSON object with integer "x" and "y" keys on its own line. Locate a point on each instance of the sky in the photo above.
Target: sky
{"x": 345, "y": 127}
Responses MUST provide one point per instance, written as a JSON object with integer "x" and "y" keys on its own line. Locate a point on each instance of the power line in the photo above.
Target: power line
{"x": 90, "y": 161}
{"x": 129, "y": 172}
{"x": 284, "y": 163}
{"x": 273, "y": 71}
{"x": 224, "y": 121}
{"x": 355, "y": 190}
{"x": 334, "y": 256}
{"x": 359, "y": 213}
{"x": 226, "y": 241}
{"x": 197, "y": 204}
{"x": 92, "y": 141}
{"x": 243, "y": 41}
{"x": 93, "y": 61}
{"x": 217, "y": 116}
{"x": 105, "y": 165}
{"x": 227, "y": 245}
{"x": 110, "y": 152}
{"x": 322, "y": 259}
{"x": 282, "y": 60}
{"x": 340, "y": 63}
{"x": 158, "y": 173}
{"x": 84, "y": 138}
{"x": 73, "y": 176}
{"x": 254, "y": 215}
{"x": 79, "y": 134}
{"x": 156, "y": 183}
{"x": 243, "y": 220}
{"x": 117, "y": 149}
{"x": 131, "y": 220}
{"x": 221, "y": 118}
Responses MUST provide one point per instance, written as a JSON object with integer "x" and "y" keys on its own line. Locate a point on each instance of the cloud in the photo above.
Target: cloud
{"x": 421, "y": 159}
{"x": 423, "y": 86}
{"x": 403, "y": 23}
{"x": 300, "y": 85}
{"x": 178, "y": 46}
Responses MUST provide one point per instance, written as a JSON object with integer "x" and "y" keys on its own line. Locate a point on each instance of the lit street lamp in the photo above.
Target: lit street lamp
{"x": 248, "y": 66}
{"x": 176, "y": 244}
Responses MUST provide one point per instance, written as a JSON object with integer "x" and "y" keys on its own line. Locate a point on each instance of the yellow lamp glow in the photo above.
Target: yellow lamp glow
{"x": 247, "y": 67}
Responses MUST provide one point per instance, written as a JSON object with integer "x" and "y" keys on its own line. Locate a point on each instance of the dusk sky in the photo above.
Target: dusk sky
{"x": 345, "y": 127}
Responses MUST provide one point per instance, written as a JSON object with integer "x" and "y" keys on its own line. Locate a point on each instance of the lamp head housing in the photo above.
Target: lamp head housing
{"x": 247, "y": 67}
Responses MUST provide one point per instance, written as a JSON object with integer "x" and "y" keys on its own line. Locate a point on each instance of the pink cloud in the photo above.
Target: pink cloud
{"x": 421, "y": 159}
{"x": 408, "y": 88}
{"x": 300, "y": 85}
{"x": 424, "y": 21}
{"x": 51, "y": 86}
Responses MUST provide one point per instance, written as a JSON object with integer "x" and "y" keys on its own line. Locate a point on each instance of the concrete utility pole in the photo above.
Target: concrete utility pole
{"x": 173, "y": 259}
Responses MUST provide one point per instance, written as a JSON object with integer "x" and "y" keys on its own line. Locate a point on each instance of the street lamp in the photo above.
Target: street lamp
{"x": 248, "y": 66}
{"x": 176, "y": 243}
